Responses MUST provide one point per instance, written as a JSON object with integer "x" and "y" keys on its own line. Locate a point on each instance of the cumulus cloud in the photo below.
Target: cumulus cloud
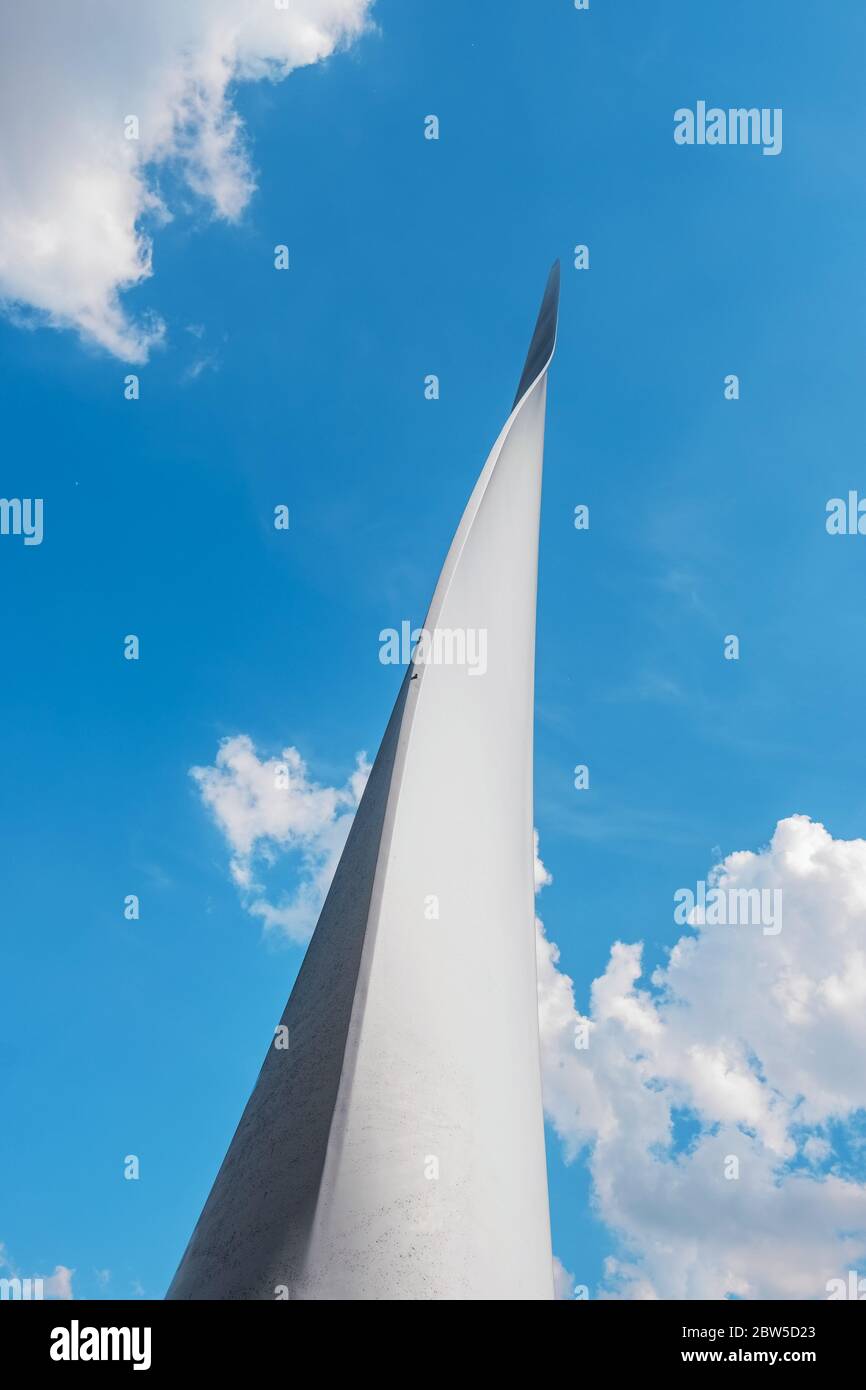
{"x": 542, "y": 877}
{"x": 79, "y": 202}
{"x": 59, "y": 1284}
{"x": 269, "y": 807}
{"x": 720, "y": 1103}
{"x": 746, "y": 1055}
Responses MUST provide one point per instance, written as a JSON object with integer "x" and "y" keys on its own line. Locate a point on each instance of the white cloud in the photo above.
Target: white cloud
{"x": 267, "y": 808}
{"x": 542, "y": 877}
{"x": 563, "y": 1280}
{"x": 208, "y": 363}
{"x": 75, "y": 194}
{"x": 59, "y": 1284}
{"x": 56, "y": 1286}
{"x": 745, "y": 1046}
{"x": 757, "y": 1043}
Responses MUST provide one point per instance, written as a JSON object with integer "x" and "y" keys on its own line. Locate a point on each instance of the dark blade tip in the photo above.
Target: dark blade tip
{"x": 544, "y": 337}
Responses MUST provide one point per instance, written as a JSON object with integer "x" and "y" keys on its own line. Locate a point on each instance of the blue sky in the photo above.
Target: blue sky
{"x": 411, "y": 257}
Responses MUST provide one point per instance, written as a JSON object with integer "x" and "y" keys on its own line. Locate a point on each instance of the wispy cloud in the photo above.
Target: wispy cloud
{"x": 209, "y": 362}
